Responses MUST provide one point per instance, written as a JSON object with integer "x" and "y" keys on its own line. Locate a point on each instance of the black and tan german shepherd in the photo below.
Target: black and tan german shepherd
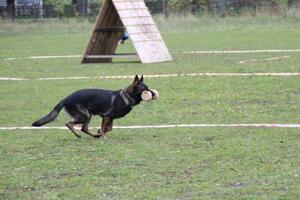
{"x": 83, "y": 104}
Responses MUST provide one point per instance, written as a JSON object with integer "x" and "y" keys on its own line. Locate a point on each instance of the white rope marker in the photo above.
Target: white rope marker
{"x": 243, "y": 51}
{"x": 264, "y": 60}
{"x": 166, "y": 126}
{"x": 42, "y": 57}
{"x": 155, "y": 76}
{"x": 185, "y": 52}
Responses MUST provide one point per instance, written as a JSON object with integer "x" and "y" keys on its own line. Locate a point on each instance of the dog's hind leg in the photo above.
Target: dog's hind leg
{"x": 80, "y": 116}
{"x": 71, "y": 125}
{"x": 85, "y": 128}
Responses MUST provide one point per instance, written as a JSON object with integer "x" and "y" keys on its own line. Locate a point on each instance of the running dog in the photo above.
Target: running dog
{"x": 83, "y": 104}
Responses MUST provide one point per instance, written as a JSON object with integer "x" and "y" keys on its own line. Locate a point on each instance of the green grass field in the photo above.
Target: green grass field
{"x": 175, "y": 163}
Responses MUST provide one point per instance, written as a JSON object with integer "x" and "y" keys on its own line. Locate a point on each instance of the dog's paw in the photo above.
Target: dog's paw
{"x": 97, "y": 136}
{"x": 103, "y": 137}
{"x": 78, "y": 136}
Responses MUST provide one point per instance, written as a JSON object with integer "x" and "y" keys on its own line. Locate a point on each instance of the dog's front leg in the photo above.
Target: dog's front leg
{"x": 105, "y": 126}
{"x": 109, "y": 125}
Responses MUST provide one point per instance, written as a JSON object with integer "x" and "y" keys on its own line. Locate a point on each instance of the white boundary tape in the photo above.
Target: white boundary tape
{"x": 185, "y": 52}
{"x": 49, "y": 57}
{"x": 13, "y": 79}
{"x": 165, "y": 126}
{"x": 264, "y": 60}
{"x": 156, "y": 76}
{"x": 243, "y": 51}
{"x": 43, "y": 57}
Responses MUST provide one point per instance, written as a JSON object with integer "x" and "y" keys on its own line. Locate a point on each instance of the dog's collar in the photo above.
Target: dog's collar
{"x": 129, "y": 101}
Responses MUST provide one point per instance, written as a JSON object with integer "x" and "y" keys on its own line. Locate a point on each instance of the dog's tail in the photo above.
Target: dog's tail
{"x": 51, "y": 116}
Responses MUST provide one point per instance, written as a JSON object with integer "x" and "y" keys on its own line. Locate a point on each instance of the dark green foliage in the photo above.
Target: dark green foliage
{"x": 58, "y": 5}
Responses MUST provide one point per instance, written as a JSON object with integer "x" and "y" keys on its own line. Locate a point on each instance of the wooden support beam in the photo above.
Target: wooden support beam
{"x": 120, "y": 55}
{"x": 110, "y": 29}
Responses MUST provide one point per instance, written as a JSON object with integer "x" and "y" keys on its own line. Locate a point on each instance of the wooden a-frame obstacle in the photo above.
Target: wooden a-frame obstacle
{"x": 114, "y": 18}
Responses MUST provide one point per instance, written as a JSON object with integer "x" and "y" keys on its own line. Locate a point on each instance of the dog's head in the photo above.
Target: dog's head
{"x": 136, "y": 89}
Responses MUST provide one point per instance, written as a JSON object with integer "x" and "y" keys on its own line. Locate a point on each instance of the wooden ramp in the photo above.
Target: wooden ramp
{"x": 114, "y": 18}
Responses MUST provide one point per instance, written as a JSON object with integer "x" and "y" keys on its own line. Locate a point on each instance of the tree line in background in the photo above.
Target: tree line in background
{"x": 90, "y": 8}
{"x": 222, "y": 7}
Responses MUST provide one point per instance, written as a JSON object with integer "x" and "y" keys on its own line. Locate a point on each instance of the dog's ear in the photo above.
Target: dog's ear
{"x": 135, "y": 82}
{"x": 136, "y": 79}
{"x": 142, "y": 78}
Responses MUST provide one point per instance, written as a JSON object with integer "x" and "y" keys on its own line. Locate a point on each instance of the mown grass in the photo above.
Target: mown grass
{"x": 152, "y": 164}
{"x": 213, "y": 34}
{"x": 182, "y": 163}
{"x": 201, "y": 100}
